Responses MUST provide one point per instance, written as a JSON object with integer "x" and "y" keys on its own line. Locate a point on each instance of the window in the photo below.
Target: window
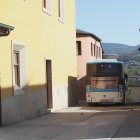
{"x": 61, "y": 10}
{"x": 16, "y": 68}
{"x": 78, "y": 48}
{"x": 47, "y": 6}
{"x": 19, "y": 67}
{"x": 97, "y": 52}
{"x": 94, "y": 50}
{"x": 91, "y": 49}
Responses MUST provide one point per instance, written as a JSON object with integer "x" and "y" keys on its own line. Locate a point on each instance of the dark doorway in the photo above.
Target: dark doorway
{"x": 49, "y": 83}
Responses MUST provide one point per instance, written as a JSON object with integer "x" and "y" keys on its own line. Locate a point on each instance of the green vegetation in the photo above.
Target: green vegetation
{"x": 132, "y": 62}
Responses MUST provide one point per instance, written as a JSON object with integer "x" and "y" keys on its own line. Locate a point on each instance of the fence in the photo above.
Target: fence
{"x": 134, "y": 81}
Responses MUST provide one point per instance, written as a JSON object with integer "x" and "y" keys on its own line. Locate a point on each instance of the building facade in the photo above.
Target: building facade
{"x": 37, "y": 59}
{"x": 88, "y": 49}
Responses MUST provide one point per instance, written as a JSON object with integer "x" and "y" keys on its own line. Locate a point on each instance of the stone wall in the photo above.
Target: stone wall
{"x": 133, "y": 94}
{"x": 24, "y": 106}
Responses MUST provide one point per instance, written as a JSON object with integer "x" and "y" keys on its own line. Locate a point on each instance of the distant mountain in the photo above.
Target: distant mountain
{"x": 116, "y": 48}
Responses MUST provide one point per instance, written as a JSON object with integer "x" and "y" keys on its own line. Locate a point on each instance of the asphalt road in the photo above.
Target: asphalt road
{"x": 78, "y": 123}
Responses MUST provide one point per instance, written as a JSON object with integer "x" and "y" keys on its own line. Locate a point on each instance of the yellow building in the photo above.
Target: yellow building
{"x": 38, "y": 57}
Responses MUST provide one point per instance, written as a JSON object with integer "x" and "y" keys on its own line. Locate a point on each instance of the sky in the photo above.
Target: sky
{"x": 114, "y": 21}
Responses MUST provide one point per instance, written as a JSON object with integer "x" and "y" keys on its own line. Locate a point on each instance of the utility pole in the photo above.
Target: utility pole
{"x": 139, "y": 47}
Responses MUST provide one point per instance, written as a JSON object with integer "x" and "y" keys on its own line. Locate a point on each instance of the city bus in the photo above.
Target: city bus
{"x": 105, "y": 81}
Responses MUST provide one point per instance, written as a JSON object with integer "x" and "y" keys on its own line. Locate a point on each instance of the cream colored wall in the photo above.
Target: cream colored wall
{"x": 5, "y": 67}
{"x": 45, "y": 38}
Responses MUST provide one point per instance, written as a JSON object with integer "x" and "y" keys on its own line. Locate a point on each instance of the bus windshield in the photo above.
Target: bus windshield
{"x": 104, "y": 69}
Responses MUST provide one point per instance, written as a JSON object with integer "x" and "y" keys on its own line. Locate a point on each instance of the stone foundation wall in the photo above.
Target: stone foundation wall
{"x": 24, "y": 106}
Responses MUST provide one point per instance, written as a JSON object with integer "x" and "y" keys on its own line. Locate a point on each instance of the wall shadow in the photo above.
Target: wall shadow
{"x": 30, "y": 102}
{"x": 72, "y": 91}
{"x": 81, "y": 89}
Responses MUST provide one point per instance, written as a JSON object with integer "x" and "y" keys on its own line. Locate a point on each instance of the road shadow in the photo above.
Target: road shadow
{"x": 109, "y": 107}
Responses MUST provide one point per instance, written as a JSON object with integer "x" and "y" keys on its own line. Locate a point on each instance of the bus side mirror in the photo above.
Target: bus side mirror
{"x": 125, "y": 77}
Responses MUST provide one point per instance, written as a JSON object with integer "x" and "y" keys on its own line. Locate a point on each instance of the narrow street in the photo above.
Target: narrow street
{"x": 83, "y": 123}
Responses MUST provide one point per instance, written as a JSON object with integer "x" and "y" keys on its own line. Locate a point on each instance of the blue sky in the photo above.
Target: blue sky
{"x": 114, "y": 21}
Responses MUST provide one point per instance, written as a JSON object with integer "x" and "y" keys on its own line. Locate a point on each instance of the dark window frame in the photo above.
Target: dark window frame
{"x": 17, "y": 69}
{"x": 97, "y": 52}
{"x": 91, "y": 49}
{"x": 78, "y": 48}
{"x": 44, "y": 4}
{"x": 94, "y": 50}
{"x": 59, "y": 9}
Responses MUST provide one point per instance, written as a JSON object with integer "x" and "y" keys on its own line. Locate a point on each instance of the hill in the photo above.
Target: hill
{"x": 131, "y": 58}
{"x": 128, "y": 54}
{"x": 116, "y": 48}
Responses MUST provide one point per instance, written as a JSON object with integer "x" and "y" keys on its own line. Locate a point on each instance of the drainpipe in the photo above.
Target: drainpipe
{"x": 139, "y": 47}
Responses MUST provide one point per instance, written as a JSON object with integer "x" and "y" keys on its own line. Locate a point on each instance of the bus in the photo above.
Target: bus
{"x": 105, "y": 82}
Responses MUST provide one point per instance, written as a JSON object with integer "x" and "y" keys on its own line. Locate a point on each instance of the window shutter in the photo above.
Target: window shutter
{"x": 62, "y": 10}
{"x": 47, "y": 6}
